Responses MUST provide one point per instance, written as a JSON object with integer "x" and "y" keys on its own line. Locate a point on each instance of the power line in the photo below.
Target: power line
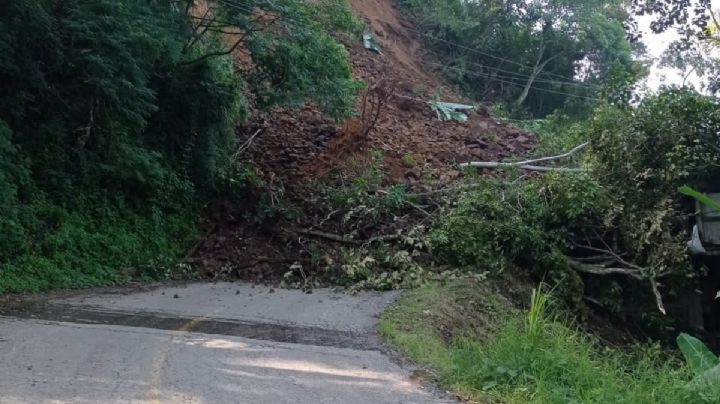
{"x": 511, "y": 73}
{"x": 569, "y": 80}
{"x": 486, "y": 75}
{"x": 536, "y": 79}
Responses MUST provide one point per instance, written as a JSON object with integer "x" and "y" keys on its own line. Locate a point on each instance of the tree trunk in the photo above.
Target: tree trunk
{"x": 536, "y": 72}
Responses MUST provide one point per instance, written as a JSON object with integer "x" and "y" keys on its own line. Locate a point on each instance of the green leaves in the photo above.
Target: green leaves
{"x": 295, "y": 56}
{"x": 643, "y": 156}
{"x": 704, "y": 364}
{"x": 303, "y": 66}
{"x": 495, "y": 50}
{"x": 485, "y": 231}
{"x": 700, "y": 197}
{"x": 698, "y": 356}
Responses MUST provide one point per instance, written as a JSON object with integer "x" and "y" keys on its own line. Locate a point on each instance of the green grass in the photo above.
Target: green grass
{"x": 521, "y": 357}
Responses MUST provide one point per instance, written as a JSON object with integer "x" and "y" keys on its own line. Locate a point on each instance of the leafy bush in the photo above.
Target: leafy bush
{"x": 642, "y": 156}
{"x": 527, "y": 224}
{"x": 14, "y": 184}
{"x": 208, "y": 97}
{"x": 381, "y": 269}
{"x": 639, "y": 157}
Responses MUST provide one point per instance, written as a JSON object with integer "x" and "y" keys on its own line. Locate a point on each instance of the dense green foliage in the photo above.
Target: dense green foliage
{"x": 530, "y": 225}
{"x": 533, "y": 56}
{"x": 625, "y": 209}
{"x": 117, "y": 120}
{"x": 642, "y": 156}
{"x": 532, "y": 358}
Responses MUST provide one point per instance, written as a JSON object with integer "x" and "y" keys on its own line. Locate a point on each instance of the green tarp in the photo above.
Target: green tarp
{"x": 447, "y": 111}
{"x": 370, "y": 43}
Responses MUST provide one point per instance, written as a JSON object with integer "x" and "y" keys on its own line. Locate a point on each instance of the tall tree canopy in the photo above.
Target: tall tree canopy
{"x": 695, "y": 49}
{"x": 534, "y": 54}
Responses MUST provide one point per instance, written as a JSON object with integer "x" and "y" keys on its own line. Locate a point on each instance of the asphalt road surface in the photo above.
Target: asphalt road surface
{"x": 201, "y": 343}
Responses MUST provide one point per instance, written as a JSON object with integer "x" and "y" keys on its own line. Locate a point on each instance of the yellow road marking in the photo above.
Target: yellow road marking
{"x": 157, "y": 367}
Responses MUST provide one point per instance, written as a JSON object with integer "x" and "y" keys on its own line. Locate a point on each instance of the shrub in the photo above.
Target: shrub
{"x": 525, "y": 223}
{"x": 14, "y": 183}
{"x": 529, "y": 225}
{"x": 642, "y": 156}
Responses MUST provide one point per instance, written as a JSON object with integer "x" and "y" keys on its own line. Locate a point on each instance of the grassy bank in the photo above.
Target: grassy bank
{"x": 485, "y": 350}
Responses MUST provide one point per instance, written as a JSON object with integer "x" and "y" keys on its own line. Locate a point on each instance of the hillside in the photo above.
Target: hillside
{"x": 294, "y": 149}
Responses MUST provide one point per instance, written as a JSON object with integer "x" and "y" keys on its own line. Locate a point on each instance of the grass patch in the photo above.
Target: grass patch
{"x": 485, "y": 350}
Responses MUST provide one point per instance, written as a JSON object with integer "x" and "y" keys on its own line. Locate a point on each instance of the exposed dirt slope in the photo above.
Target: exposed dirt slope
{"x": 296, "y": 147}
{"x": 292, "y": 141}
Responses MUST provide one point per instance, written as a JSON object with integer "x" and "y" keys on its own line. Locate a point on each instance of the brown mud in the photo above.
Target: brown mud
{"x": 297, "y": 148}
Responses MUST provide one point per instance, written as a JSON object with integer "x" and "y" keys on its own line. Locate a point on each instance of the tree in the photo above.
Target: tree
{"x": 537, "y": 55}
{"x": 294, "y": 57}
{"x": 689, "y": 16}
{"x": 117, "y": 118}
{"x": 695, "y": 50}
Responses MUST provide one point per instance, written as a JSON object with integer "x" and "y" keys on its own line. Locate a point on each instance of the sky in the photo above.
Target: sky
{"x": 656, "y": 45}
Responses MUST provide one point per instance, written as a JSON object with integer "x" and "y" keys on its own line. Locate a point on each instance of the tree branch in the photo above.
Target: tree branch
{"x": 345, "y": 238}
{"x": 235, "y": 45}
{"x": 658, "y": 296}
{"x": 615, "y": 255}
{"x": 635, "y": 272}
{"x": 213, "y": 54}
{"x": 603, "y": 270}
{"x": 528, "y": 164}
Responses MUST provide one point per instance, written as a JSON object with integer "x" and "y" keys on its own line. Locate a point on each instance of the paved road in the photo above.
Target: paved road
{"x": 201, "y": 343}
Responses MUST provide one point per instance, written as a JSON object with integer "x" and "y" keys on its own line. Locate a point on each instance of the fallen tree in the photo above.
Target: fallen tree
{"x": 530, "y": 164}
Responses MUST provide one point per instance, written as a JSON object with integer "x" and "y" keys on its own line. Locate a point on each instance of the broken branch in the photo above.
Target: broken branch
{"x": 246, "y": 144}
{"x": 602, "y": 270}
{"x": 345, "y": 238}
{"x": 658, "y": 296}
{"x": 528, "y": 164}
{"x": 615, "y": 255}
{"x": 635, "y": 272}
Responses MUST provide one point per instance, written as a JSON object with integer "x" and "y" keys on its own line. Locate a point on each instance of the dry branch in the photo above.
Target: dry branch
{"x": 529, "y": 164}
{"x": 658, "y": 296}
{"x": 246, "y": 144}
{"x": 603, "y": 270}
{"x": 617, "y": 257}
{"x": 345, "y": 238}
{"x": 635, "y": 272}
